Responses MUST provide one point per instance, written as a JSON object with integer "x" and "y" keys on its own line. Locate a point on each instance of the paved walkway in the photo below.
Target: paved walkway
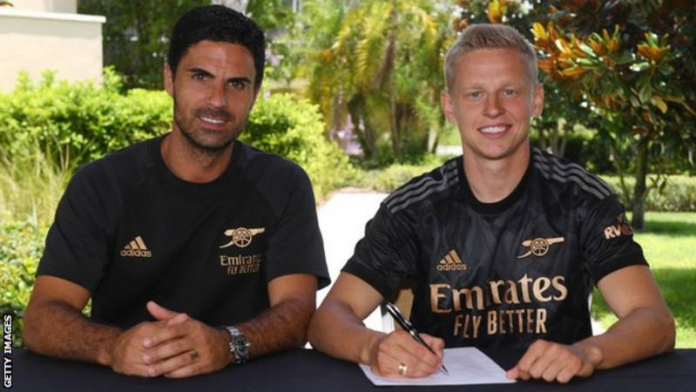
{"x": 342, "y": 220}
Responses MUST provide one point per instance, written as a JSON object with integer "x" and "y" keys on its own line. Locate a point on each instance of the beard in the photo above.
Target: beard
{"x": 205, "y": 141}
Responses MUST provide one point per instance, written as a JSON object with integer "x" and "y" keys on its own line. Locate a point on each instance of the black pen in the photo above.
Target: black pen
{"x": 408, "y": 327}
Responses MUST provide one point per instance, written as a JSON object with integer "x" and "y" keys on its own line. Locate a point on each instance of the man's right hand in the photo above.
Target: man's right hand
{"x": 55, "y": 326}
{"x": 130, "y": 348}
{"x": 399, "y": 355}
{"x": 337, "y": 329}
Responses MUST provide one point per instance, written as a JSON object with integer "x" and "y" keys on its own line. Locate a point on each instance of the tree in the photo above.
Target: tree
{"x": 633, "y": 62}
{"x": 382, "y": 65}
{"x": 136, "y": 33}
{"x": 631, "y": 65}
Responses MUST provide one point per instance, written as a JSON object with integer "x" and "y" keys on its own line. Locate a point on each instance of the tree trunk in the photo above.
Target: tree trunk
{"x": 142, "y": 26}
{"x": 434, "y": 134}
{"x": 393, "y": 123}
{"x": 620, "y": 171}
{"x": 370, "y": 138}
{"x": 361, "y": 126}
{"x": 542, "y": 138}
{"x": 640, "y": 188}
{"x": 564, "y": 140}
{"x": 390, "y": 63}
{"x": 433, "y": 140}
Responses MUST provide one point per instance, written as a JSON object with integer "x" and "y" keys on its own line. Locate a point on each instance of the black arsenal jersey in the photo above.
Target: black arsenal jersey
{"x": 129, "y": 231}
{"x": 501, "y": 274}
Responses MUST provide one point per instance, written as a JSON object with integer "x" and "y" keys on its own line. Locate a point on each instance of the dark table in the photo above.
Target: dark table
{"x": 308, "y": 370}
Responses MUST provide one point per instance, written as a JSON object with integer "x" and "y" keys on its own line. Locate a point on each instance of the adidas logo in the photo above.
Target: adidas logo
{"x": 451, "y": 262}
{"x": 136, "y": 248}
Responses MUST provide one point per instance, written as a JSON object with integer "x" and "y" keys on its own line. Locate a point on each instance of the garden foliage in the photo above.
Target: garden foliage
{"x": 49, "y": 129}
{"x": 21, "y": 245}
{"x": 294, "y": 129}
{"x": 677, "y": 195}
{"x": 77, "y": 123}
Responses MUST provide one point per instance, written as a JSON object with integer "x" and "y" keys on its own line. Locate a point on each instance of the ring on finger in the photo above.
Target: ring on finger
{"x": 403, "y": 369}
{"x": 194, "y": 356}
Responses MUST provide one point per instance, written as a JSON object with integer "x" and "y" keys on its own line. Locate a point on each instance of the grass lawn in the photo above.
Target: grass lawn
{"x": 669, "y": 244}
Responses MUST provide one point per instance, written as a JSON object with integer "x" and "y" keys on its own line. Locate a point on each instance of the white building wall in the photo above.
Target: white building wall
{"x": 62, "y": 6}
{"x": 31, "y": 41}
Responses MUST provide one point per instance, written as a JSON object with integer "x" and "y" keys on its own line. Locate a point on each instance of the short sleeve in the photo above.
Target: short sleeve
{"x": 296, "y": 245}
{"x": 607, "y": 240}
{"x": 76, "y": 248}
{"x": 387, "y": 254}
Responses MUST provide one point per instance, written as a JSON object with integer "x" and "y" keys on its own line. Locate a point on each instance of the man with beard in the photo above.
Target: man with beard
{"x": 196, "y": 250}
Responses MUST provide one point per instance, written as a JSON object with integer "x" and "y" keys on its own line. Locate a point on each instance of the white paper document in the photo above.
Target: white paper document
{"x": 466, "y": 366}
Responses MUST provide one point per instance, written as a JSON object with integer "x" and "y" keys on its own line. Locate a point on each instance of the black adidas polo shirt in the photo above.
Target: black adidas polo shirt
{"x": 501, "y": 274}
{"x": 129, "y": 231}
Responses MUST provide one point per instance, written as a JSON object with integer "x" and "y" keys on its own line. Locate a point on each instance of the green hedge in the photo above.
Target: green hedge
{"x": 21, "y": 246}
{"x": 74, "y": 123}
{"x": 585, "y": 149}
{"x": 294, "y": 129}
{"x": 679, "y": 194}
{"x": 390, "y": 178}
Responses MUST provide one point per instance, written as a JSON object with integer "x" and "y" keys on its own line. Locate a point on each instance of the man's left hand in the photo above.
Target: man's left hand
{"x": 556, "y": 362}
{"x": 186, "y": 348}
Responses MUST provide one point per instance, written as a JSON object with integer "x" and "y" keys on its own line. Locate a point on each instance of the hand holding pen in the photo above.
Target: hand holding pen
{"x": 408, "y": 327}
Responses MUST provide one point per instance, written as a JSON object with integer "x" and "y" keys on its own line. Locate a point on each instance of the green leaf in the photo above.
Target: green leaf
{"x": 645, "y": 93}
{"x": 665, "y": 69}
{"x": 660, "y": 103}
{"x": 587, "y": 63}
{"x": 626, "y": 59}
{"x": 587, "y": 49}
{"x": 640, "y": 67}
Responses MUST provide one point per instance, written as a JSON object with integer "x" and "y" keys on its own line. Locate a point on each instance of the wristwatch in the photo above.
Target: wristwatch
{"x": 239, "y": 345}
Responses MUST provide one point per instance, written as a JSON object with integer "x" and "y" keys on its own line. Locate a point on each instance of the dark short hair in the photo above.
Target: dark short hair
{"x": 219, "y": 24}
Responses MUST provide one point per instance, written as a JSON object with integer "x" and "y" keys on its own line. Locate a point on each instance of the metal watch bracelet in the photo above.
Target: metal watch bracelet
{"x": 239, "y": 345}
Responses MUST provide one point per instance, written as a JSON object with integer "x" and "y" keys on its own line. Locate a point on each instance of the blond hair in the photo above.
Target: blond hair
{"x": 489, "y": 36}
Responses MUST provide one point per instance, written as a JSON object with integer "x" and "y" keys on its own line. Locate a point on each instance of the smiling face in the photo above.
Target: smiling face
{"x": 492, "y": 100}
{"x": 213, "y": 92}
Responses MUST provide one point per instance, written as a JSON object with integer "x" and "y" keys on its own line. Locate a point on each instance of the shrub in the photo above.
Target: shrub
{"x": 294, "y": 128}
{"x": 678, "y": 194}
{"x": 21, "y": 246}
{"x": 74, "y": 123}
{"x": 584, "y": 148}
{"x": 390, "y": 178}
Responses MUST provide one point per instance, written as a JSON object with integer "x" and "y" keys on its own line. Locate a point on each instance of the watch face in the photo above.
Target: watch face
{"x": 242, "y": 345}
{"x": 239, "y": 345}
